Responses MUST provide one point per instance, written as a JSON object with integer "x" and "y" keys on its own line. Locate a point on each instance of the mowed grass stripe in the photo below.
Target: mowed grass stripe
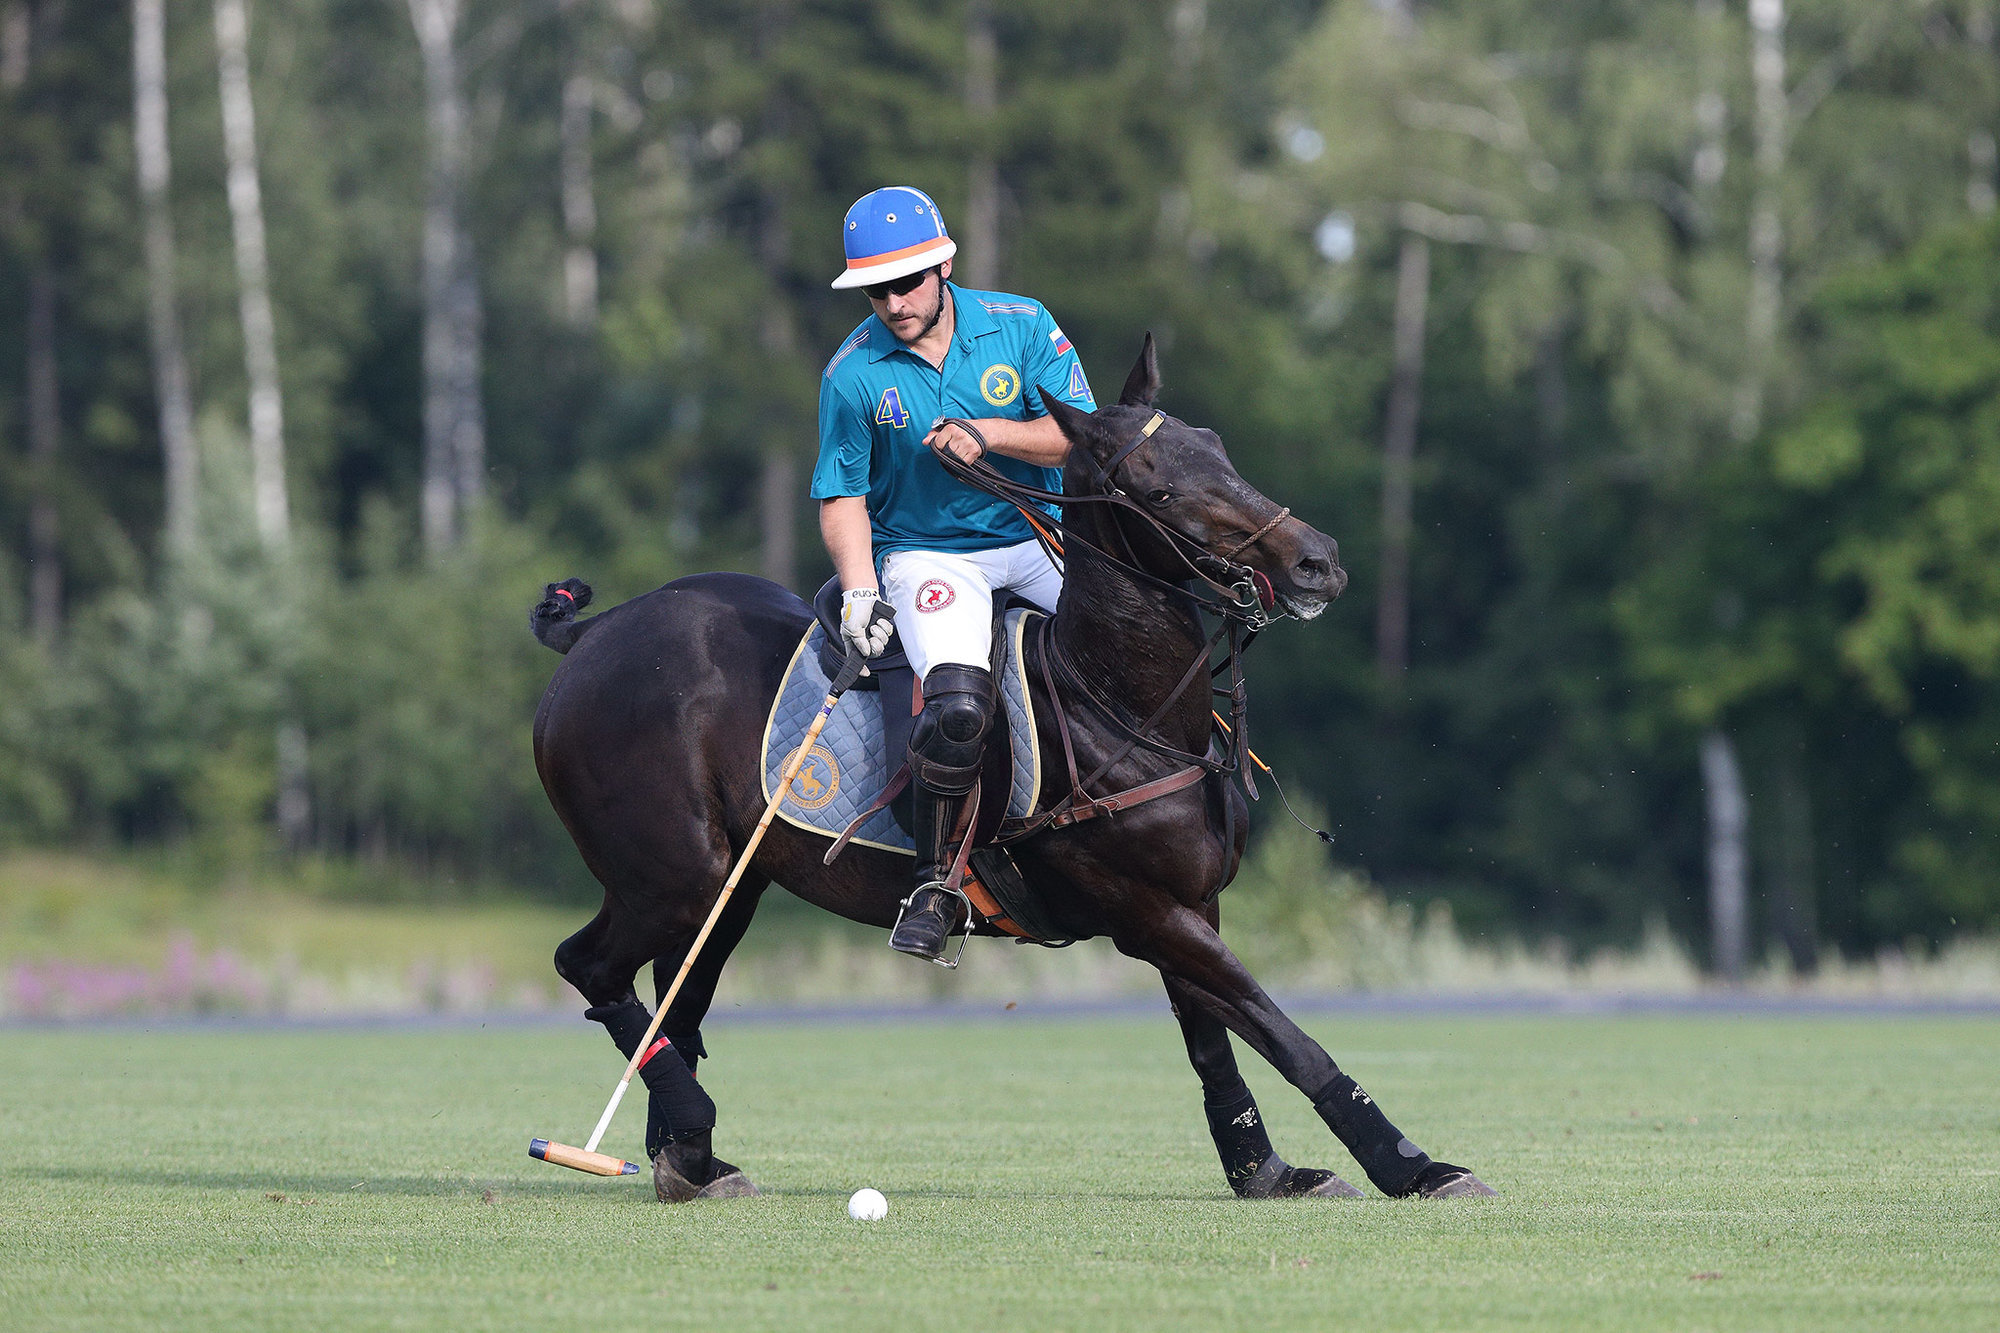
{"x": 1666, "y": 1173}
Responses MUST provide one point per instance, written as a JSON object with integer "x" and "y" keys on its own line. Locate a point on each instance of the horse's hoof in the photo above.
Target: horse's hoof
{"x": 724, "y": 1182}
{"x": 670, "y": 1185}
{"x": 731, "y": 1185}
{"x": 1311, "y": 1182}
{"x": 1455, "y": 1182}
{"x": 1275, "y": 1180}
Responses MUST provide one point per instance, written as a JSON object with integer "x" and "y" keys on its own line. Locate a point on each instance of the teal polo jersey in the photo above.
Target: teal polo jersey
{"x": 878, "y": 400}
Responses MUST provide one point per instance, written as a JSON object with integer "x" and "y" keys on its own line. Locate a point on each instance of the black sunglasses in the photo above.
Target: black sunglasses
{"x": 903, "y": 286}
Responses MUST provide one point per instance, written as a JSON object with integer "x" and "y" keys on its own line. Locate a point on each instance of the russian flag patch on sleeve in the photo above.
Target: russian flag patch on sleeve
{"x": 1061, "y": 341}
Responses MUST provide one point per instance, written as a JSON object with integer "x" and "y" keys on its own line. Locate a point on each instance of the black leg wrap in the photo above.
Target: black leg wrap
{"x": 626, "y": 1021}
{"x": 1240, "y": 1137}
{"x": 677, "y": 1109}
{"x": 1392, "y": 1162}
{"x": 688, "y": 1046}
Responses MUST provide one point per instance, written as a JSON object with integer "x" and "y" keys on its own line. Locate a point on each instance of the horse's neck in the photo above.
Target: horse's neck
{"x": 1134, "y": 642}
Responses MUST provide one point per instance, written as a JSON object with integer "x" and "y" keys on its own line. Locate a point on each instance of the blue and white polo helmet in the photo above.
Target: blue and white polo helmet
{"x": 891, "y": 233}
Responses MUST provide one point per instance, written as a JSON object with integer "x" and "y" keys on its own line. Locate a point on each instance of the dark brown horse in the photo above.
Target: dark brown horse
{"x": 648, "y": 744}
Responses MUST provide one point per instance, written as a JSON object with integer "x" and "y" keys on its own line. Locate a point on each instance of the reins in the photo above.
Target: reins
{"x": 1239, "y": 592}
{"x": 1239, "y": 596}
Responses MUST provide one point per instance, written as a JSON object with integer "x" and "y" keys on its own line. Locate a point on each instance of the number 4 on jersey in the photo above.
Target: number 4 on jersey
{"x": 890, "y": 411}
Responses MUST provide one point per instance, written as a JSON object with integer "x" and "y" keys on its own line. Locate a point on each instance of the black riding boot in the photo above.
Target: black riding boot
{"x": 945, "y": 750}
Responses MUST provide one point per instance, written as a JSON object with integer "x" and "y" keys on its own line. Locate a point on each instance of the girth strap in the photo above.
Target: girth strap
{"x": 1065, "y": 815}
{"x": 1079, "y": 804}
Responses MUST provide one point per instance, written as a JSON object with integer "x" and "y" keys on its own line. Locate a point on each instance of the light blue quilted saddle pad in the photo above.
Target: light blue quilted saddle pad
{"x": 849, "y": 764}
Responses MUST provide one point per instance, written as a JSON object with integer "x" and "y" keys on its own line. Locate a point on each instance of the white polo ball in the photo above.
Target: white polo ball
{"x": 868, "y": 1205}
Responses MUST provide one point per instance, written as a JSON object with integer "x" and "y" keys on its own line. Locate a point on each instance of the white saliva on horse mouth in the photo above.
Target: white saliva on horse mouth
{"x": 1305, "y": 608}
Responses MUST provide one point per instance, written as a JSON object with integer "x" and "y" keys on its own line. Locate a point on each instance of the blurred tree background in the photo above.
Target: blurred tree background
{"x": 1644, "y": 357}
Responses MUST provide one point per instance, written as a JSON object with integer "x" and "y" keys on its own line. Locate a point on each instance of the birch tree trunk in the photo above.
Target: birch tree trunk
{"x": 45, "y": 583}
{"x": 1793, "y": 878}
{"x": 44, "y": 416}
{"x": 1772, "y": 129}
{"x": 17, "y": 26}
{"x": 1399, "y": 429}
{"x": 979, "y": 257}
{"x": 777, "y": 334}
{"x": 579, "y": 200}
{"x": 454, "y": 416}
{"x": 271, "y": 502}
{"x": 1399, "y": 449}
{"x": 1711, "y": 108}
{"x": 1982, "y": 154}
{"x": 778, "y": 499}
{"x": 253, "y": 279}
{"x": 1728, "y": 861}
{"x": 170, "y": 376}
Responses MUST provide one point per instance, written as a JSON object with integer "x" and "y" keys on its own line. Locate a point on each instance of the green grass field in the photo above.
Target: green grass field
{"x": 1670, "y": 1173}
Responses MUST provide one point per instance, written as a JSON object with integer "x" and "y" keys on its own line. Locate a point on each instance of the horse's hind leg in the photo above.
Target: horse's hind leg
{"x": 1186, "y": 949}
{"x": 1252, "y": 1167}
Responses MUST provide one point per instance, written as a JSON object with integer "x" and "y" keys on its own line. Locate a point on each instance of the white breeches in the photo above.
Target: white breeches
{"x": 944, "y": 599}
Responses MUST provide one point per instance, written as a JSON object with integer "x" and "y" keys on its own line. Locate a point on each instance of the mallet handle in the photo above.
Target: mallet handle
{"x": 728, "y": 888}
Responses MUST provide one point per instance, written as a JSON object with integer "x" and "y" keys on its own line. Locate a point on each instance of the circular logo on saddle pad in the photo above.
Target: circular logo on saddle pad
{"x": 1000, "y": 385}
{"x": 817, "y": 781}
{"x": 935, "y": 595}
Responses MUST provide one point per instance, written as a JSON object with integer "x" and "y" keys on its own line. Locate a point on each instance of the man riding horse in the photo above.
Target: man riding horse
{"x": 657, "y": 773}
{"x": 901, "y": 530}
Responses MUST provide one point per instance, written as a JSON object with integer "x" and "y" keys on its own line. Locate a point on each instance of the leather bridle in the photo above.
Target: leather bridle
{"x": 1238, "y": 592}
{"x": 1242, "y": 598}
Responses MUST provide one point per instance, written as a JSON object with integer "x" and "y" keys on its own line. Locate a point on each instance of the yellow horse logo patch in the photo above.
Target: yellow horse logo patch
{"x": 1000, "y": 385}
{"x": 818, "y": 780}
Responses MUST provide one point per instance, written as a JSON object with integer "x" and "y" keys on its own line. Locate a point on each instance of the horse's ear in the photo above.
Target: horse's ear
{"x": 1077, "y": 425}
{"x": 1142, "y": 386}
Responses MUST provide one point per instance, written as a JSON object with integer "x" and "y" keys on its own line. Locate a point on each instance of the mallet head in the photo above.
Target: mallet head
{"x": 596, "y": 1163}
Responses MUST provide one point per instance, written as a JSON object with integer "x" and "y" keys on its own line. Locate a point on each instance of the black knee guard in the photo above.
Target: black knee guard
{"x": 1391, "y": 1161}
{"x": 950, "y": 735}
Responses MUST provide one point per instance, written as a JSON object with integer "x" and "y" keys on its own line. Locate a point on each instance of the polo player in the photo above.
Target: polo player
{"x": 902, "y": 531}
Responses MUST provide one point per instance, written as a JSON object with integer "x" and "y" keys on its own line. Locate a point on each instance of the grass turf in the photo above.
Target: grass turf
{"x": 1668, "y": 1173}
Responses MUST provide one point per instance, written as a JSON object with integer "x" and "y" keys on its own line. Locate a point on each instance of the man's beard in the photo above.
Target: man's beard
{"x": 932, "y": 322}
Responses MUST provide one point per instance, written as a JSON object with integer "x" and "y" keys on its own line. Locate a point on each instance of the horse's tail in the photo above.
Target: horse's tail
{"x": 554, "y": 617}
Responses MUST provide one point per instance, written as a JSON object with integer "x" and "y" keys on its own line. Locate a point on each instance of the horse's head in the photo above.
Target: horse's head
{"x": 1179, "y": 475}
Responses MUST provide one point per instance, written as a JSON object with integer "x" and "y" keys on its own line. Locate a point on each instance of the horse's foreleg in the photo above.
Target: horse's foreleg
{"x": 1252, "y": 1167}
{"x": 1189, "y": 952}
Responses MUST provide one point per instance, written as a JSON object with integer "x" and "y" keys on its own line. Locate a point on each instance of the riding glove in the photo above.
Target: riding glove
{"x": 866, "y": 620}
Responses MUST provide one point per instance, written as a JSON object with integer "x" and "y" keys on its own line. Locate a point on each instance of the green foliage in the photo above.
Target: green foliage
{"x": 421, "y": 684}
{"x": 1608, "y": 560}
{"x": 1837, "y": 586}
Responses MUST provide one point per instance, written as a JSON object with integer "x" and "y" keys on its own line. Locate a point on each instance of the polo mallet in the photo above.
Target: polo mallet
{"x": 587, "y": 1158}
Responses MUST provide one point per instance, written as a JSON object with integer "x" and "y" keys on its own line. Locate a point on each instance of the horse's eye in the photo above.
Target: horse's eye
{"x": 1160, "y": 497}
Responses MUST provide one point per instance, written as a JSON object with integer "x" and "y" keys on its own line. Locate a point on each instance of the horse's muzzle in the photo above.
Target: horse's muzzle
{"x": 1315, "y": 576}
